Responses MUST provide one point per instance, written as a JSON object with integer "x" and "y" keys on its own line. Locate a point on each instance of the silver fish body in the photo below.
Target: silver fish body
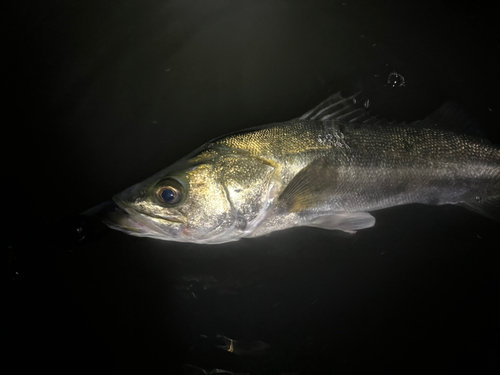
{"x": 326, "y": 169}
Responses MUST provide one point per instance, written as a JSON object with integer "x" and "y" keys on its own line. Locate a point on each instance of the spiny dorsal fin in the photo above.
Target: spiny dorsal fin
{"x": 349, "y": 109}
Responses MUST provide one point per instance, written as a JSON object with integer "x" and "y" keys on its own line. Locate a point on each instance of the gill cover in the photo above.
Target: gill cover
{"x": 250, "y": 188}
{"x": 233, "y": 197}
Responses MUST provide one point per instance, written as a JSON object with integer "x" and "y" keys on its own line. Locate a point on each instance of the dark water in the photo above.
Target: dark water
{"x": 100, "y": 95}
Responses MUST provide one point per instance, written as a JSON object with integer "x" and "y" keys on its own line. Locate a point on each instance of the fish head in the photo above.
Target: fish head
{"x": 214, "y": 197}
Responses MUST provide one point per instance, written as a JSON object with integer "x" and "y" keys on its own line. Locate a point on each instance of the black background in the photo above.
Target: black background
{"x": 99, "y": 95}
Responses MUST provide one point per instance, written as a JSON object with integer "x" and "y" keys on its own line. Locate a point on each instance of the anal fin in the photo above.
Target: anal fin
{"x": 489, "y": 207}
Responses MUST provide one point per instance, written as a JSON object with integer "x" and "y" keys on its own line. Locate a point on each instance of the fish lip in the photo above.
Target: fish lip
{"x": 172, "y": 219}
{"x": 136, "y": 213}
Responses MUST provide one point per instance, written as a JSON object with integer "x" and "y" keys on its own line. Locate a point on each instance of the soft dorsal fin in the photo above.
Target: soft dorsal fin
{"x": 451, "y": 117}
{"x": 348, "y": 109}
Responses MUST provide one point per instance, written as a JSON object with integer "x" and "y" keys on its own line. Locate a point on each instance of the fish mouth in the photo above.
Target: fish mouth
{"x": 126, "y": 219}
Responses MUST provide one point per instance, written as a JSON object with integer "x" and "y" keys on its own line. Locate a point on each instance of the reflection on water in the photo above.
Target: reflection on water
{"x": 243, "y": 347}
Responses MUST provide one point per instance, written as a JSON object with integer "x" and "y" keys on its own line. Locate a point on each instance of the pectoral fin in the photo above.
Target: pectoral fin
{"x": 311, "y": 186}
{"x": 348, "y": 222}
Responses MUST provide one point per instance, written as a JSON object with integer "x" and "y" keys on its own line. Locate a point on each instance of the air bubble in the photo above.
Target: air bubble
{"x": 395, "y": 80}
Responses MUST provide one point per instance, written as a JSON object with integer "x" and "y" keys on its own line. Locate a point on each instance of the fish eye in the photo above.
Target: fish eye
{"x": 170, "y": 192}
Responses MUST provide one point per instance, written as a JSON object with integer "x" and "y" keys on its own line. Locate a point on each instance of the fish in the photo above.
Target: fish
{"x": 328, "y": 168}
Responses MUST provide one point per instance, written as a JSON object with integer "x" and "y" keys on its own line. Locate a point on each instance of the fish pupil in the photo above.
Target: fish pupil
{"x": 168, "y": 195}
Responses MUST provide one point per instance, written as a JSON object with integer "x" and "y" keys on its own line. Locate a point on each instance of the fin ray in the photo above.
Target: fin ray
{"x": 348, "y": 222}
{"x": 307, "y": 189}
{"x": 333, "y": 101}
{"x": 347, "y": 109}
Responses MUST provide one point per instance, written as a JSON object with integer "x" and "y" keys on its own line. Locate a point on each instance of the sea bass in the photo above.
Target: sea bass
{"x": 328, "y": 168}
